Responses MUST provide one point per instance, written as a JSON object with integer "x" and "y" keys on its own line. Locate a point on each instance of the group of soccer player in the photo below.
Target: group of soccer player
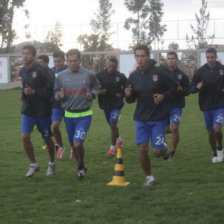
{"x": 67, "y": 91}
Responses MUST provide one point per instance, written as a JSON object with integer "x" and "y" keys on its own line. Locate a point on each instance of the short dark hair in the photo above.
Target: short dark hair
{"x": 73, "y": 52}
{"x": 43, "y": 57}
{"x": 59, "y": 54}
{"x": 172, "y": 53}
{"x": 142, "y": 47}
{"x": 31, "y": 48}
{"x": 211, "y": 50}
{"x": 113, "y": 59}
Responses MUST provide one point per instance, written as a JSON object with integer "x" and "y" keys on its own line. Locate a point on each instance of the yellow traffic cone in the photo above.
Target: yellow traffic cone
{"x": 118, "y": 178}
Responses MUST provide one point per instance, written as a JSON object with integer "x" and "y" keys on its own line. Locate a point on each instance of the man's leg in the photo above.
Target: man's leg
{"x": 27, "y": 126}
{"x": 144, "y": 158}
{"x": 114, "y": 132}
{"x": 50, "y": 147}
{"x": 28, "y": 146}
{"x": 57, "y": 133}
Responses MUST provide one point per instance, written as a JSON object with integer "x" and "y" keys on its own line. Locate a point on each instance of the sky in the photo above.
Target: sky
{"x": 75, "y": 15}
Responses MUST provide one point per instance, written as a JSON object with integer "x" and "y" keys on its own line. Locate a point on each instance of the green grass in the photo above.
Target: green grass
{"x": 188, "y": 190}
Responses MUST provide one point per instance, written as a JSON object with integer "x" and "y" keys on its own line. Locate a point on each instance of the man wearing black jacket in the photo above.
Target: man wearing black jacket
{"x": 208, "y": 80}
{"x": 110, "y": 98}
{"x": 178, "y": 102}
{"x": 36, "y": 108}
{"x": 151, "y": 89}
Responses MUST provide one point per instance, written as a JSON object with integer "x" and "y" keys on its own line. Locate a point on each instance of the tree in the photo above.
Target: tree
{"x": 136, "y": 24}
{"x": 54, "y": 36}
{"x": 173, "y": 46}
{"x": 101, "y": 24}
{"x": 7, "y": 34}
{"x": 146, "y": 26}
{"x": 200, "y": 39}
{"x": 99, "y": 40}
{"x": 153, "y": 24}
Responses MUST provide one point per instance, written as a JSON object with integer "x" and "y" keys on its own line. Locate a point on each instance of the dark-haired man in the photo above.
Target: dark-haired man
{"x": 110, "y": 98}
{"x": 57, "y": 111}
{"x": 208, "y": 80}
{"x": 151, "y": 89}
{"x": 178, "y": 102}
{"x": 36, "y": 108}
{"x": 76, "y": 87}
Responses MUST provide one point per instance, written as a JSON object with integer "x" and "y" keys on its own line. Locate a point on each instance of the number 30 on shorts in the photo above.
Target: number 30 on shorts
{"x": 80, "y": 134}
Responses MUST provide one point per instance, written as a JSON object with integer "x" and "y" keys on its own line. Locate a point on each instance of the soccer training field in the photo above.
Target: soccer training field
{"x": 188, "y": 190}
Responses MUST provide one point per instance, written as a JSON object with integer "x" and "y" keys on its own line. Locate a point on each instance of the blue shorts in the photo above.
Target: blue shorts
{"x": 43, "y": 124}
{"x": 175, "y": 116}
{"x": 153, "y": 129}
{"x": 213, "y": 117}
{"x": 112, "y": 115}
{"x": 77, "y": 128}
{"x": 57, "y": 114}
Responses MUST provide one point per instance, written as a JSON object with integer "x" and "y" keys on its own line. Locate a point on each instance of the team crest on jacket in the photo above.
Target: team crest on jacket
{"x": 221, "y": 72}
{"x": 155, "y": 77}
{"x": 117, "y": 79}
{"x": 83, "y": 81}
{"x": 34, "y": 75}
{"x": 179, "y": 76}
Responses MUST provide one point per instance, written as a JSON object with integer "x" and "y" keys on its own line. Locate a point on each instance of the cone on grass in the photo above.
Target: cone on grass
{"x": 118, "y": 178}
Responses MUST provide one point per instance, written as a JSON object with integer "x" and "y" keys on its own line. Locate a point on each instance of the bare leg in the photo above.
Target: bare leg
{"x": 28, "y": 146}
{"x": 114, "y": 132}
{"x": 57, "y": 133}
{"x": 144, "y": 158}
{"x": 50, "y": 147}
{"x": 212, "y": 140}
{"x": 79, "y": 152}
{"x": 175, "y": 136}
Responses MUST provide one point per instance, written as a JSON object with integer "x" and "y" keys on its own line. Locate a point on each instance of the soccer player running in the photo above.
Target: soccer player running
{"x": 178, "y": 102}
{"x": 36, "y": 108}
{"x": 57, "y": 111}
{"x": 152, "y": 90}
{"x": 76, "y": 87}
{"x": 110, "y": 98}
{"x": 208, "y": 80}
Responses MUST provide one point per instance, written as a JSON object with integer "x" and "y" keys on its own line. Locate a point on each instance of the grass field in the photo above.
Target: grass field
{"x": 188, "y": 190}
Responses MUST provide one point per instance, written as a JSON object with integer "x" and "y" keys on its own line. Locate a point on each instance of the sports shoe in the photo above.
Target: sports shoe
{"x": 44, "y": 147}
{"x": 60, "y": 153}
{"x": 51, "y": 169}
{"x": 171, "y": 156}
{"x": 120, "y": 142}
{"x": 220, "y": 155}
{"x": 216, "y": 159}
{"x": 166, "y": 154}
{"x": 32, "y": 170}
{"x": 81, "y": 173}
{"x": 72, "y": 154}
{"x": 111, "y": 152}
{"x": 149, "y": 181}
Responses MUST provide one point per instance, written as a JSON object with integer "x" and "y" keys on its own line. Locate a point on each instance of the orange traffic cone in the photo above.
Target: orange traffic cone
{"x": 118, "y": 178}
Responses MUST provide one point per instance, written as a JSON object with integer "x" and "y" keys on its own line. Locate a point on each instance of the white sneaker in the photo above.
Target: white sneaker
{"x": 216, "y": 159}
{"x": 220, "y": 155}
{"x": 149, "y": 181}
{"x": 51, "y": 169}
{"x": 32, "y": 170}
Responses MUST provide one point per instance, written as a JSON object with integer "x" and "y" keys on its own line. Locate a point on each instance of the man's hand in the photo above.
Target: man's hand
{"x": 128, "y": 91}
{"x": 179, "y": 88}
{"x": 21, "y": 97}
{"x": 118, "y": 95}
{"x": 199, "y": 85}
{"x": 28, "y": 90}
{"x": 89, "y": 95}
{"x": 158, "y": 98}
{"x": 62, "y": 94}
{"x": 103, "y": 92}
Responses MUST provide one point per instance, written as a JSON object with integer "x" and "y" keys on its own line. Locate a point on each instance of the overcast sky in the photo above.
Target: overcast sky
{"x": 75, "y": 15}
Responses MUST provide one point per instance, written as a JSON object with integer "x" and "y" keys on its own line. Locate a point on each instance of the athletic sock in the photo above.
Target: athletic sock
{"x": 119, "y": 139}
{"x": 215, "y": 154}
{"x": 34, "y": 164}
{"x": 112, "y": 147}
{"x": 219, "y": 147}
{"x": 148, "y": 176}
{"x": 51, "y": 163}
{"x": 81, "y": 166}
